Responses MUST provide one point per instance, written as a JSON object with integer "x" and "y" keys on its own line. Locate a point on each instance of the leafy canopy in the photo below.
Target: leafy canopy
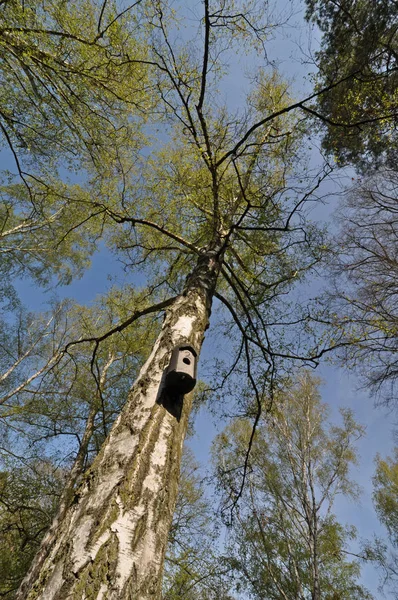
{"x": 359, "y": 52}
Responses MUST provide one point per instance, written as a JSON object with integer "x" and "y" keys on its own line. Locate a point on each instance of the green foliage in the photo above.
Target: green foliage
{"x": 28, "y": 499}
{"x": 386, "y": 494}
{"x": 358, "y": 56}
{"x": 384, "y": 553}
{"x": 285, "y": 541}
{"x": 73, "y": 99}
{"x": 64, "y": 74}
{"x": 42, "y": 242}
{"x": 47, "y": 392}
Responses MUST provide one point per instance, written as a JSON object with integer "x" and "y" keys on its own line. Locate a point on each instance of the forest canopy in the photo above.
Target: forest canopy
{"x": 168, "y": 140}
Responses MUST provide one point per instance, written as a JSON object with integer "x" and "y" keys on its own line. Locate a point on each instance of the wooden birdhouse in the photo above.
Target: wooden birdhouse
{"x": 181, "y": 372}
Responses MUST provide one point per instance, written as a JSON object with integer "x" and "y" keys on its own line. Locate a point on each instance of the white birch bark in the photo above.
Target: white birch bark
{"x": 112, "y": 541}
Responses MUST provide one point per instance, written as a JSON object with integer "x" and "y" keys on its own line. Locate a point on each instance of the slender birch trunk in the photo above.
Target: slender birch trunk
{"x": 111, "y": 543}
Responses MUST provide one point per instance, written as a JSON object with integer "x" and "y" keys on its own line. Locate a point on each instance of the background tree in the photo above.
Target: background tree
{"x": 359, "y": 47}
{"x": 385, "y": 497}
{"x": 194, "y": 565}
{"x": 55, "y": 411}
{"x": 285, "y": 541}
{"x": 64, "y": 73}
{"x": 362, "y": 303}
{"x": 28, "y": 498}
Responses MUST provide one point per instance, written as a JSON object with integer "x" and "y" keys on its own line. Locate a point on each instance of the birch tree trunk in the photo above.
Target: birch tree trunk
{"x": 111, "y": 543}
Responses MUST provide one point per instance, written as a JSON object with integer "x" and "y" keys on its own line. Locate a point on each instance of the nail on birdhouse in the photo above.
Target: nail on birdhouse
{"x": 181, "y": 372}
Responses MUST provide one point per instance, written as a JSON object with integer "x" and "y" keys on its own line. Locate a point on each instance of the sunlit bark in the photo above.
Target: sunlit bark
{"x": 112, "y": 541}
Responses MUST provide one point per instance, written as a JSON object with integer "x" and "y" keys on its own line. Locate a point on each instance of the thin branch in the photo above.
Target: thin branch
{"x": 134, "y": 221}
{"x": 122, "y": 325}
{"x": 294, "y": 106}
{"x": 101, "y": 15}
{"x": 205, "y": 57}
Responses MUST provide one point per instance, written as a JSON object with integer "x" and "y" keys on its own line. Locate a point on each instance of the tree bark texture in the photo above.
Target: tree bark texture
{"x": 111, "y": 543}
